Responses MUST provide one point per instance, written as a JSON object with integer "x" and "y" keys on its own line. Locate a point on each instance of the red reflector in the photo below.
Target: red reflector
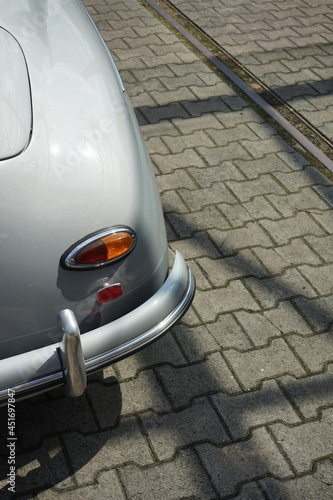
{"x": 109, "y": 293}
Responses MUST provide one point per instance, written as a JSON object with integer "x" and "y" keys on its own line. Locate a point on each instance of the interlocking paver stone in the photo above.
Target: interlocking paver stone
{"x": 315, "y": 351}
{"x": 196, "y": 342}
{"x": 297, "y": 252}
{"x": 197, "y": 423}
{"x": 285, "y": 229}
{"x": 228, "y": 333}
{"x": 310, "y": 393}
{"x": 311, "y": 486}
{"x": 106, "y": 450}
{"x": 258, "y": 327}
{"x": 235, "y": 296}
{"x": 235, "y": 463}
{"x": 270, "y": 290}
{"x": 243, "y": 412}
{"x": 254, "y": 366}
{"x": 141, "y": 393}
{"x": 250, "y": 235}
{"x": 107, "y": 486}
{"x": 188, "y": 480}
{"x": 182, "y": 384}
{"x": 222, "y": 270}
{"x": 307, "y": 442}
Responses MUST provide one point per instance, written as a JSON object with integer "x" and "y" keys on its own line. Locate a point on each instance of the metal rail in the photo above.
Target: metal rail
{"x": 243, "y": 86}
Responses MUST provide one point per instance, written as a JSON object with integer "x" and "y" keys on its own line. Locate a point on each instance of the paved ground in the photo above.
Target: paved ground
{"x": 286, "y": 44}
{"x": 236, "y": 401}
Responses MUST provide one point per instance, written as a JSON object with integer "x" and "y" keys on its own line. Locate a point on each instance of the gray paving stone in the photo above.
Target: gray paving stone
{"x": 326, "y": 192}
{"x": 220, "y": 271}
{"x": 245, "y": 190}
{"x": 235, "y": 296}
{"x": 206, "y": 177}
{"x": 259, "y": 149}
{"x": 198, "y": 246}
{"x": 258, "y": 328}
{"x": 39, "y": 419}
{"x": 295, "y": 160}
{"x": 243, "y": 412}
{"x": 244, "y": 115}
{"x": 107, "y": 449}
{"x": 325, "y": 219}
{"x": 179, "y": 144}
{"x": 232, "y": 464}
{"x": 188, "y": 480}
{"x": 158, "y": 114}
{"x": 315, "y": 350}
{"x": 170, "y": 432}
{"x": 250, "y": 491}
{"x": 169, "y": 163}
{"x": 107, "y": 486}
{"x": 307, "y": 177}
{"x": 198, "y": 199}
{"x": 177, "y": 179}
{"x": 318, "y": 312}
{"x": 228, "y": 333}
{"x": 268, "y": 291}
{"x": 182, "y": 384}
{"x": 206, "y": 122}
{"x": 239, "y": 132}
{"x": 215, "y": 156}
{"x": 231, "y": 240}
{"x": 305, "y": 200}
{"x": 285, "y": 229}
{"x": 237, "y": 215}
{"x": 139, "y": 394}
{"x": 201, "y": 280}
{"x": 322, "y": 246}
{"x": 260, "y": 208}
{"x": 287, "y": 319}
{"x": 311, "y": 486}
{"x": 320, "y": 277}
{"x": 307, "y": 442}
{"x": 172, "y": 202}
{"x": 164, "y": 350}
{"x": 186, "y": 225}
{"x": 310, "y": 394}
{"x": 196, "y": 342}
{"x": 295, "y": 253}
{"x": 251, "y": 367}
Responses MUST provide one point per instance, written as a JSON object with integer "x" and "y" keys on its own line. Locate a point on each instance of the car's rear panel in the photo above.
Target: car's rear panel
{"x": 84, "y": 169}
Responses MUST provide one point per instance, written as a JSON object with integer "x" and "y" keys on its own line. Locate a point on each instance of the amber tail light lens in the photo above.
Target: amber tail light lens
{"x": 100, "y": 248}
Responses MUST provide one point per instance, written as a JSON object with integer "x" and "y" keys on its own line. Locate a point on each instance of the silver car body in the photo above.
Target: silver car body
{"x": 72, "y": 162}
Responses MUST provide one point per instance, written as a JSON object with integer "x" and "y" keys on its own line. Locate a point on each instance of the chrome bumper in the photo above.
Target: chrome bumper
{"x": 77, "y": 355}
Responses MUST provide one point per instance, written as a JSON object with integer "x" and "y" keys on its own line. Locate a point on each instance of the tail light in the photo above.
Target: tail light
{"x": 101, "y": 248}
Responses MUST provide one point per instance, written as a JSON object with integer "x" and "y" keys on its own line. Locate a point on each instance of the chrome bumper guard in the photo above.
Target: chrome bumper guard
{"x": 69, "y": 362}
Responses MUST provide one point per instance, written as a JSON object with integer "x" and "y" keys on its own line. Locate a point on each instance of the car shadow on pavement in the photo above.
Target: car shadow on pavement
{"x": 40, "y": 426}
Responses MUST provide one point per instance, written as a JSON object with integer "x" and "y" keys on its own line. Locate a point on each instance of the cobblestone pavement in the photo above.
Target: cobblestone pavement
{"x": 286, "y": 44}
{"x": 236, "y": 401}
